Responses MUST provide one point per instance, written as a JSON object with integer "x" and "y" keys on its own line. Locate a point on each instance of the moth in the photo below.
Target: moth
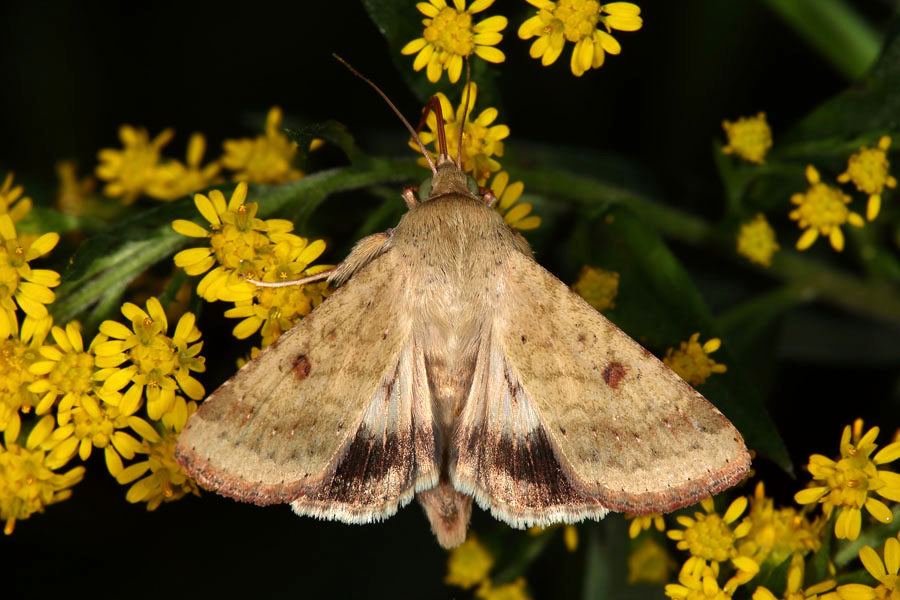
{"x": 450, "y": 366}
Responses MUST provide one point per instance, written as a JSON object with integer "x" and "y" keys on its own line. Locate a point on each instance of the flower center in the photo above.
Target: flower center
{"x": 578, "y": 17}
{"x": 824, "y": 207}
{"x": 451, "y": 32}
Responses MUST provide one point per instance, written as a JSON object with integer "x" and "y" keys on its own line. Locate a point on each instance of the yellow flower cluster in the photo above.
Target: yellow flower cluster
{"x": 241, "y": 246}
{"x": 849, "y": 483}
{"x": 139, "y": 168}
{"x": 12, "y": 202}
{"x": 748, "y": 137}
{"x": 756, "y": 241}
{"x": 49, "y": 369}
{"x": 692, "y": 361}
{"x": 598, "y": 286}
{"x": 470, "y": 563}
{"x": 582, "y": 22}
{"x": 450, "y": 37}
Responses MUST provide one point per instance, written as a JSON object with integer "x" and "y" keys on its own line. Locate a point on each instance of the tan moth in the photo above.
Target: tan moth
{"x": 450, "y": 366}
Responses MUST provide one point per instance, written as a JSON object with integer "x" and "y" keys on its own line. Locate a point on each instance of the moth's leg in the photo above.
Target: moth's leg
{"x": 365, "y": 251}
{"x": 488, "y": 197}
{"x": 411, "y": 196}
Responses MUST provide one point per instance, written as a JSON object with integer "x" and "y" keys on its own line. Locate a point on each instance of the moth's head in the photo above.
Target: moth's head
{"x": 447, "y": 179}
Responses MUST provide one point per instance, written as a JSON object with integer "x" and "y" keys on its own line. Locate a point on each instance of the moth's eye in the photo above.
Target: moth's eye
{"x": 425, "y": 190}
{"x": 472, "y": 185}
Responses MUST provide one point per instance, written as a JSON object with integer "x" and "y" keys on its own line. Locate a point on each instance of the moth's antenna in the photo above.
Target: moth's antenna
{"x": 462, "y": 123}
{"x": 393, "y": 108}
{"x": 435, "y": 105}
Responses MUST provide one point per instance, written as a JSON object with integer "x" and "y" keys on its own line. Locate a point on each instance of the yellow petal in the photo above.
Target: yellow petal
{"x": 870, "y": 560}
{"x": 892, "y": 555}
{"x": 207, "y": 208}
{"x": 836, "y": 237}
{"x": 189, "y": 228}
{"x": 879, "y": 510}
{"x": 493, "y": 24}
{"x": 490, "y": 54}
{"x": 413, "y": 46}
{"x": 807, "y": 239}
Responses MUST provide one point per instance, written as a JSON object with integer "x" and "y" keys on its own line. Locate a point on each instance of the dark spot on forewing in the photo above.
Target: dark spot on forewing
{"x": 613, "y": 374}
{"x": 302, "y": 367}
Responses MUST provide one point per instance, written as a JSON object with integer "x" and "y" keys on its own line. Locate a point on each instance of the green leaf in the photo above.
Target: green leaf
{"x": 659, "y": 305}
{"x": 772, "y": 577}
{"x": 870, "y": 107}
{"x": 330, "y": 131}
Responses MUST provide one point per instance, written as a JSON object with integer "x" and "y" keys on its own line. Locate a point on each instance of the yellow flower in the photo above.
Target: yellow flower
{"x": 515, "y": 590}
{"x": 822, "y": 209}
{"x": 241, "y": 244}
{"x": 794, "y": 589}
{"x": 756, "y": 241}
{"x": 278, "y": 309}
{"x": 159, "y": 366}
{"x": 28, "y": 482}
{"x": 11, "y": 200}
{"x": 449, "y": 37}
{"x": 775, "y": 534}
{"x": 172, "y": 180}
{"x": 846, "y": 483}
{"x": 514, "y": 215}
{"x": 598, "y": 286}
{"x": 692, "y": 362}
{"x": 748, "y": 137}
{"x": 131, "y": 170}
{"x": 166, "y": 480}
{"x": 649, "y": 562}
{"x": 265, "y": 159}
{"x": 868, "y": 170}
{"x": 468, "y": 564}
{"x": 581, "y": 22}
{"x": 18, "y": 351}
{"x": 697, "y": 581}
{"x": 72, "y": 194}
{"x": 481, "y": 140}
{"x": 709, "y": 536}
{"x": 640, "y": 523}
{"x": 886, "y": 572}
{"x": 19, "y": 283}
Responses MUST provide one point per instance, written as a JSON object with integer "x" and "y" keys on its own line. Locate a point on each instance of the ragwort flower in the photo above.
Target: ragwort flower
{"x": 240, "y": 245}
{"x": 264, "y": 159}
{"x": 649, "y": 562}
{"x": 748, "y": 137}
{"x": 162, "y": 479}
{"x": 794, "y": 589}
{"x": 450, "y": 37}
{"x": 158, "y": 367}
{"x": 515, "y": 215}
{"x": 846, "y": 483}
{"x": 822, "y": 209}
{"x": 20, "y": 285}
{"x": 132, "y": 170}
{"x": 28, "y": 482}
{"x": 73, "y": 194}
{"x": 756, "y": 241}
{"x": 692, "y": 362}
{"x": 582, "y": 22}
{"x": 276, "y": 310}
{"x": 11, "y": 200}
{"x": 18, "y": 351}
{"x": 481, "y": 140}
{"x": 868, "y": 169}
{"x": 709, "y": 536}
{"x": 514, "y": 590}
{"x": 776, "y": 533}
{"x": 598, "y": 287}
{"x": 174, "y": 179}
{"x": 468, "y": 564}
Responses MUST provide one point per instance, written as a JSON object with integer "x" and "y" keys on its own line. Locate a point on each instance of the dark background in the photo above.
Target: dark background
{"x": 73, "y": 72}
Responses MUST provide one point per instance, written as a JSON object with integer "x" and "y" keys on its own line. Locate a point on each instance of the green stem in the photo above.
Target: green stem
{"x": 835, "y": 31}
{"x": 814, "y": 278}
